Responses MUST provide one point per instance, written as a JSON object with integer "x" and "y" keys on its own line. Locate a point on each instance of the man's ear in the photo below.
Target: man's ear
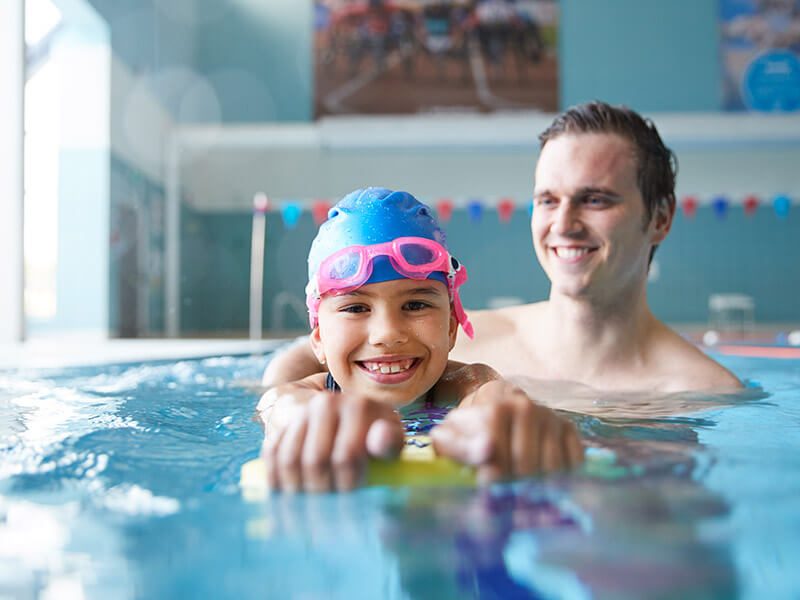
{"x": 661, "y": 221}
{"x": 452, "y": 328}
{"x": 317, "y": 346}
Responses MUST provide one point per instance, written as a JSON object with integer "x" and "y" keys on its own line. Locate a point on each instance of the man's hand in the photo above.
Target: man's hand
{"x": 505, "y": 434}
{"x": 322, "y": 440}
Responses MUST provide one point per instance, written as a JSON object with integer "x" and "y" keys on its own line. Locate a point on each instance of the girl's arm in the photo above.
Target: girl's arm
{"x": 499, "y": 429}
{"x": 275, "y": 405}
{"x": 459, "y": 380}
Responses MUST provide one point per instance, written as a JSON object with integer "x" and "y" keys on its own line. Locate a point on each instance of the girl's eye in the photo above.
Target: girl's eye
{"x": 416, "y": 305}
{"x": 353, "y": 308}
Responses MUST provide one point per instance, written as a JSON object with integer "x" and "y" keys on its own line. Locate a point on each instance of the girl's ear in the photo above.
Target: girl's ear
{"x": 316, "y": 345}
{"x": 452, "y": 329}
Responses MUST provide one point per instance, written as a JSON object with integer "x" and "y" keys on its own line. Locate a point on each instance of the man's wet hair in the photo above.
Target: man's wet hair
{"x": 656, "y": 165}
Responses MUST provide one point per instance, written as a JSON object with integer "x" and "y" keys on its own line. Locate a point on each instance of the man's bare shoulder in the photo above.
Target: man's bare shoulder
{"x": 495, "y": 329}
{"x": 688, "y": 368}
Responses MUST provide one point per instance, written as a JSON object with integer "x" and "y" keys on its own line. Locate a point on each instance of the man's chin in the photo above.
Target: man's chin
{"x": 578, "y": 291}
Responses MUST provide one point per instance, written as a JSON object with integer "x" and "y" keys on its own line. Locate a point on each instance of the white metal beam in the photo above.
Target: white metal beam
{"x": 12, "y": 136}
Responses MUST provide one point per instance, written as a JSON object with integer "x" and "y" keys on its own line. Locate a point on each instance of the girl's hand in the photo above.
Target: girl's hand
{"x": 500, "y": 430}
{"x": 323, "y": 440}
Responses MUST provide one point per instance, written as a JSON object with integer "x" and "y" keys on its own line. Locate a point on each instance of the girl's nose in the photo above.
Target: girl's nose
{"x": 386, "y": 328}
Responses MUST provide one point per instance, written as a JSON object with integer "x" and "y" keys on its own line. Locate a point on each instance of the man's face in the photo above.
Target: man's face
{"x": 589, "y": 222}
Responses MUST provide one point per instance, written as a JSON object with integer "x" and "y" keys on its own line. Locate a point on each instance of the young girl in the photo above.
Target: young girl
{"x": 384, "y": 307}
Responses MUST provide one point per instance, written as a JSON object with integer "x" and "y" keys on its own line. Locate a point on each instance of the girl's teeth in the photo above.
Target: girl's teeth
{"x": 386, "y": 368}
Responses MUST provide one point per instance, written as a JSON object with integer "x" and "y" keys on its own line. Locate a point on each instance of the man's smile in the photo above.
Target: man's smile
{"x": 572, "y": 254}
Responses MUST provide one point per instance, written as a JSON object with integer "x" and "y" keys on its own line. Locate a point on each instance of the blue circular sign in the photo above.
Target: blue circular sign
{"x": 772, "y": 82}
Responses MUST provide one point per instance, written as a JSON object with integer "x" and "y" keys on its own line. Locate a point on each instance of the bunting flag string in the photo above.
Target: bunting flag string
{"x": 445, "y": 209}
{"x": 750, "y": 205}
{"x": 475, "y": 208}
{"x": 720, "y": 206}
{"x": 782, "y": 204}
{"x": 689, "y": 206}
{"x": 319, "y": 211}
{"x": 290, "y": 212}
{"x": 505, "y": 208}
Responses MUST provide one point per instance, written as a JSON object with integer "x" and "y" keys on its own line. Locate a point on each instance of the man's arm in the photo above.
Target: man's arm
{"x": 292, "y": 364}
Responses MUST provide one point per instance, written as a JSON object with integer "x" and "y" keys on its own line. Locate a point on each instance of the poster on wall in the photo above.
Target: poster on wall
{"x": 412, "y": 56}
{"x": 761, "y": 55}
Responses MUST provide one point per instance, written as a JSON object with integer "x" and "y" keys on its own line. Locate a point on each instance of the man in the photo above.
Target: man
{"x": 603, "y": 201}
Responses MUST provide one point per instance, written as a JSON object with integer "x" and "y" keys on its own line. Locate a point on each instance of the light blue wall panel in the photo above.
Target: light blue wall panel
{"x": 150, "y": 34}
{"x": 653, "y": 55}
{"x": 257, "y": 57}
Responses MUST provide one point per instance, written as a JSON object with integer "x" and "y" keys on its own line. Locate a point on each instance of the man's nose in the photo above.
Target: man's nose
{"x": 387, "y": 328}
{"x": 566, "y": 219}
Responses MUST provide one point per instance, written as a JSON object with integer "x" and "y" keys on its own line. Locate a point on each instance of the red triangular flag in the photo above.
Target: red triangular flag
{"x": 319, "y": 211}
{"x": 445, "y": 209}
{"x": 689, "y": 205}
{"x": 505, "y": 208}
{"x": 750, "y": 205}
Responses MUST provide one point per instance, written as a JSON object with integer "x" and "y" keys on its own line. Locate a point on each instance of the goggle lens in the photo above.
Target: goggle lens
{"x": 344, "y": 267}
{"x": 417, "y": 255}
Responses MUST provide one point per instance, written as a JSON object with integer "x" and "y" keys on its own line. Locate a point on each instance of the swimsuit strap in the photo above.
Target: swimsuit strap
{"x": 331, "y": 385}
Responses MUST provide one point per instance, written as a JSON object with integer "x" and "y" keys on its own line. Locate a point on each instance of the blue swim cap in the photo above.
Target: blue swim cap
{"x": 374, "y": 216}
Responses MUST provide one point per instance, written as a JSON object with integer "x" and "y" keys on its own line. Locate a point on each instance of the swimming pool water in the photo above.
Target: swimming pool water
{"x": 121, "y": 482}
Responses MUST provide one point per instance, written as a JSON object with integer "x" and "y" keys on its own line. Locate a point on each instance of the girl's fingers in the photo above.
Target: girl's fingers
{"x": 323, "y": 423}
{"x": 553, "y": 456}
{"x": 573, "y": 446}
{"x": 288, "y": 459}
{"x": 525, "y": 439}
{"x": 385, "y": 438}
{"x": 463, "y": 437}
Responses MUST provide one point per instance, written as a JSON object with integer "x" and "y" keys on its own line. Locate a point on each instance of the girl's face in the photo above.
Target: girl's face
{"x": 389, "y": 340}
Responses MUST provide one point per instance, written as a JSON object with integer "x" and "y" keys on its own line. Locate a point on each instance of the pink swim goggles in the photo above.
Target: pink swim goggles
{"x": 413, "y": 257}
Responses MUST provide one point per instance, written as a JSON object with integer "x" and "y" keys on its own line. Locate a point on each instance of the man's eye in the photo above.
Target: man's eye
{"x": 595, "y": 201}
{"x": 545, "y": 201}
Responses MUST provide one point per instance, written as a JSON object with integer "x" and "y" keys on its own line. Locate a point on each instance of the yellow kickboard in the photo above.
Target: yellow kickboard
{"x": 417, "y": 465}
